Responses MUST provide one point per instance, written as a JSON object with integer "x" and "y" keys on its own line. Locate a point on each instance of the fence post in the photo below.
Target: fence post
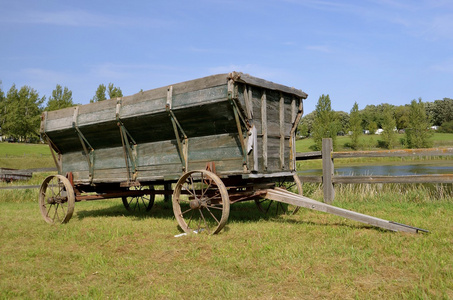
{"x": 327, "y": 170}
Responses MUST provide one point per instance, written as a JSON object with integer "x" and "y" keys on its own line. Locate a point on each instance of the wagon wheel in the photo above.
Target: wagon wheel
{"x": 291, "y": 184}
{"x": 141, "y": 202}
{"x": 201, "y": 202}
{"x": 56, "y": 199}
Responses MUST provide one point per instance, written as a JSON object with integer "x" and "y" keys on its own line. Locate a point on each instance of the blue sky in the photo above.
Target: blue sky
{"x": 369, "y": 51}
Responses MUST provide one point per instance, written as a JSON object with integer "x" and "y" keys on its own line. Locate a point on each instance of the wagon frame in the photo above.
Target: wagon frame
{"x": 209, "y": 142}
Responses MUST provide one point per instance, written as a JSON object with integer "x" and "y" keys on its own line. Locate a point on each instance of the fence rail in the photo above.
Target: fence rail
{"x": 328, "y": 179}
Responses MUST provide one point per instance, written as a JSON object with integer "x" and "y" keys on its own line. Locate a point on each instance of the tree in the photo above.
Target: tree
{"x": 368, "y": 115}
{"x": 418, "y": 133}
{"x": 2, "y": 108}
{"x": 442, "y": 111}
{"x": 100, "y": 94}
{"x": 114, "y": 92}
{"x": 61, "y": 98}
{"x": 307, "y": 122}
{"x": 343, "y": 120}
{"x": 402, "y": 116}
{"x": 325, "y": 124}
{"x": 446, "y": 127}
{"x": 372, "y": 127}
{"x": 355, "y": 121}
{"x": 389, "y": 127}
{"x": 23, "y": 110}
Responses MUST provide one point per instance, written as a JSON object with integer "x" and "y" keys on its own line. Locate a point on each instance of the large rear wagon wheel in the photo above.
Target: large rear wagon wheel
{"x": 270, "y": 207}
{"x": 201, "y": 202}
{"x": 56, "y": 199}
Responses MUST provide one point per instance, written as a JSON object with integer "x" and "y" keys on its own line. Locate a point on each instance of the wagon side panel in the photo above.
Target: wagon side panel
{"x": 273, "y": 113}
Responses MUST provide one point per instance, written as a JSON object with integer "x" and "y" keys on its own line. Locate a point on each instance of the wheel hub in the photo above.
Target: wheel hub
{"x": 199, "y": 203}
{"x": 195, "y": 204}
{"x": 55, "y": 200}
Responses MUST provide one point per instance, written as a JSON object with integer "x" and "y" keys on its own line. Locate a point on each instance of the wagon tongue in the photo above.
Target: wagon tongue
{"x": 282, "y": 195}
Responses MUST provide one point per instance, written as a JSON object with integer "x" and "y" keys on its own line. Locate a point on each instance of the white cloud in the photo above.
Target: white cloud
{"x": 319, "y": 48}
{"x": 445, "y": 67}
{"x": 440, "y": 26}
{"x": 78, "y": 18}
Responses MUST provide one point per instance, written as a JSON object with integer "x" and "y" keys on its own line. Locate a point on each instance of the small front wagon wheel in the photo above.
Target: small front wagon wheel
{"x": 56, "y": 199}
{"x": 201, "y": 202}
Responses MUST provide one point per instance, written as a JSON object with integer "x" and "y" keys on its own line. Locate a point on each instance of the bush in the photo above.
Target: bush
{"x": 447, "y": 127}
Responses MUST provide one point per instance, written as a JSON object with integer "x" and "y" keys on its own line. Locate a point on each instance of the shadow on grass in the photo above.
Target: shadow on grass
{"x": 244, "y": 212}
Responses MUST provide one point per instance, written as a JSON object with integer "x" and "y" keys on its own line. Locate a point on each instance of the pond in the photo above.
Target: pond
{"x": 418, "y": 168}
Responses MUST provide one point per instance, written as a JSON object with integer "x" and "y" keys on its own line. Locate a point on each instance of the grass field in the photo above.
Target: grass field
{"x": 25, "y": 156}
{"x": 107, "y": 252}
{"x": 371, "y": 142}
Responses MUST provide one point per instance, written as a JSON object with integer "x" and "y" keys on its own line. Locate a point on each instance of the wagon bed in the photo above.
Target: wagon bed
{"x": 157, "y": 134}
{"x": 209, "y": 142}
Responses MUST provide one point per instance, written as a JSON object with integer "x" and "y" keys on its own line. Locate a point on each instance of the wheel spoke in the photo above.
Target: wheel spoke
{"x": 55, "y": 213}
{"x": 62, "y": 208}
{"x": 186, "y": 211}
{"x": 192, "y": 185}
{"x": 188, "y": 189}
{"x": 213, "y": 215}
{"x": 269, "y": 206}
{"x": 205, "y": 223}
{"x": 48, "y": 210}
{"x": 215, "y": 207}
{"x": 190, "y": 219}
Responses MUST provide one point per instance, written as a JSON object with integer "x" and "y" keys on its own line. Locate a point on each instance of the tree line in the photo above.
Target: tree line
{"x": 414, "y": 120}
{"x": 21, "y": 109}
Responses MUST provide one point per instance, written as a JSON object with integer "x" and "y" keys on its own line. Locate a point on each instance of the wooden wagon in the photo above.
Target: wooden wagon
{"x": 209, "y": 142}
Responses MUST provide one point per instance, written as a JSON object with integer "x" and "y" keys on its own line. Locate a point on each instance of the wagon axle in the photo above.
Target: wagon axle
{"x": 199, "y": 203}
{"x": 57, "y": 200}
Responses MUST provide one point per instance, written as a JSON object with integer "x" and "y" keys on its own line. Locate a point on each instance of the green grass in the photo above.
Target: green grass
{"x": 370, "y": 142}
{"x": 20, "y": 149}
{"x": 25, "y": 156}
{"x": 107, "y": 252}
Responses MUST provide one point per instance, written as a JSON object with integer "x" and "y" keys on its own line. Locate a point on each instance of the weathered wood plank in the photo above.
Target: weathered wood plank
{"x": 14, "y": 174}
{"x": 264, "y": 128}
{"x": 308, "y": 155}
{"x": 240, "y": 77}
{"x": 299, "y": 200}
{"x": 282, "y": 132}
{"x": 327, "y": 171}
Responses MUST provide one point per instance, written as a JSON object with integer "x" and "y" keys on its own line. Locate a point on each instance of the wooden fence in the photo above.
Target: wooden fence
{"x": 328, "y": 178}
